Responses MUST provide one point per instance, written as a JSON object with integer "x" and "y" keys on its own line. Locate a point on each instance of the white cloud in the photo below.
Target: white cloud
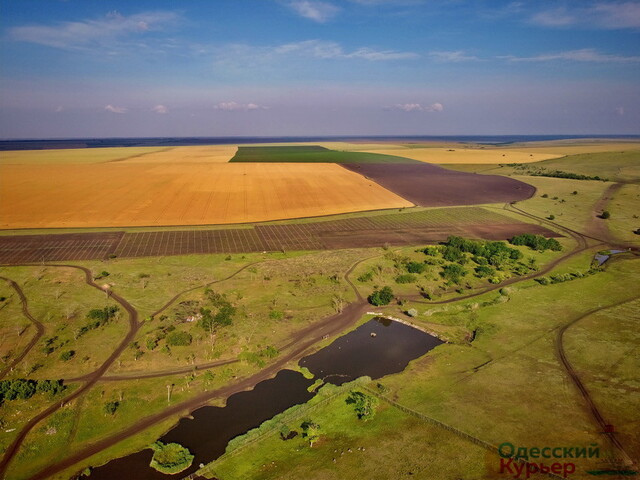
{"x": 243, "y": 55}
{"x": 620, "y": 111}
{"x": 452, "y": 56}
{"x": 601, "y": 15}
{"x": 241, "y": 107}
{"x": 113, "y": 109}
{"x": 583, "y": 55}
{"x": 89, "y": 34}
{"x": 160, "y": 109}
{"x": 417, "y": 107}
{"x": 313, "y": 10}
{"x": 59, "y": 108}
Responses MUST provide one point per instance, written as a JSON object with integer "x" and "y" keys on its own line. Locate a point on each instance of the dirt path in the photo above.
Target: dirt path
{"x": 597, "y": 226}
{"x": 134, "y": 326}
{"x": 39, "y": 327}
{"x": 593, "y": 409}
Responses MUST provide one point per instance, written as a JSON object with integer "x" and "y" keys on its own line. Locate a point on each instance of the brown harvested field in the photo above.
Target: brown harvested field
{"x": 407, "y": 228}
{"x": 194, "y": 154}
{"x": 461, "y": 154}
{"x": 433, "y": 186}
{"x": 123, "y": 194}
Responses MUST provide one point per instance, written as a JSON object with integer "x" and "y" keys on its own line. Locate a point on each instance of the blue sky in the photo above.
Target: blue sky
{"x": 101, "y": 68}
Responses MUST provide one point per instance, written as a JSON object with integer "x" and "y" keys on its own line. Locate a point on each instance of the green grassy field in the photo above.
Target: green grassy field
{"x": 478, "y": 389}
{"x": 311, "y": 154}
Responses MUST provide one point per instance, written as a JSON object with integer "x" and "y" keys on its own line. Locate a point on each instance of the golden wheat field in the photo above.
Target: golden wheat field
{"x": 465, "y": 155}
{"x": 190, "y": 154}
{"x": 125, "y": 194}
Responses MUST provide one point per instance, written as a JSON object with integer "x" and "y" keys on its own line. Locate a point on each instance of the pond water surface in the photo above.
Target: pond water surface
{"x": 377, "y": 348}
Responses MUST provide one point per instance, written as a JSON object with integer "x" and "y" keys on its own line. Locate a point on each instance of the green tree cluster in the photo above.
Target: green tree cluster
{"x": 381, "y": 297}
{"x": 536, "y": 242}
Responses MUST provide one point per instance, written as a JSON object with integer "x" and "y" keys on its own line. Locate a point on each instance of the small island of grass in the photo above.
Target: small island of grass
{"x": 170, "y": 458}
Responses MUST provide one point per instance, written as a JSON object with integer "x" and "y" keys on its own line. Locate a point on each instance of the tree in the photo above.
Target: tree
{"x": 381, "y": 297}
{"x": 311, "y": 431}
{"x": 364, "y": 405}
{"x": 605, "y": 215}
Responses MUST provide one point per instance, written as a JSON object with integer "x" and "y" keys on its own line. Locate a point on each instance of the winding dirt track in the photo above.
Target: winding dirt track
{"x": 39, "y": 327}
{"x": 580, "y": 386}
{"x": 134, "y": 326}
{"x": 300, "y": 343}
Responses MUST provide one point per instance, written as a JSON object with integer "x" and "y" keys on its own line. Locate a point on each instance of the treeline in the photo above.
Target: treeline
{"x": 24, "y": 389}
{"x": 536, "y": 242}
{"x": 542, "y": 172}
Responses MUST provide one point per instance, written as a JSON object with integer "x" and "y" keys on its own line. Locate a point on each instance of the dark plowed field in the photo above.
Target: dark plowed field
{"x": 432, "y": 186}
{"x": 376, "y": 230}
{"x": 58, "y": 247}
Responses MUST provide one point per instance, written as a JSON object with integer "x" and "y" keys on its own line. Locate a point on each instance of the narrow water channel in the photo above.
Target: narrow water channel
{"x": 377, "y": 348}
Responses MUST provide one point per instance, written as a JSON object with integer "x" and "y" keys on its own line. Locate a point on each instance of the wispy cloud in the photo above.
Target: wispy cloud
{"x": 238, "y": 55}
{"x": 114, "y": 109}
{"x": 314, "y": 10}
{"x": 89, "y": 34}
{"x": 452, "y": 56}
{"x": 583, "y": 55}
{"x": 160, "y": 109}
{"x": 238, "y": 107}
{"x": 601, "y": 15}
{"x": 417, "y": 107}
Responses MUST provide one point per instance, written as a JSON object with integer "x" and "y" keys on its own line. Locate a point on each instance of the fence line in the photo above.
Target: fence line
{"x": 438, "y": 423}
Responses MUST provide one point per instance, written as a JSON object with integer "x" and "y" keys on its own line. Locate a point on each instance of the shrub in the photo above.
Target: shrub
{"x": 365, "y": 277}
{"x": 68, "y": 355}
{"x": 276, "y": 315}
{"x": 110, "y": 408}
{"x": 453, "y": 273}
{"x": 416, "y": 267}
{"x": 605, "y": 215}
{"x": 406, "y": 278}
{"x": 412, "y": 312}
{"x": 179, "y": 339}
{"x": 381, "y": 297}
{"x": 364, "y": 405}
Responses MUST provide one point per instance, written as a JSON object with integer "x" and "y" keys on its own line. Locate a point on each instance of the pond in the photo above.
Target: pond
{"x": 376, "y": 348}
{"x": 603, "y": 257}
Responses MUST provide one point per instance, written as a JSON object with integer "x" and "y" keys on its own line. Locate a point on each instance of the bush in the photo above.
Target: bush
{"x": 110, "y": 408}
{"x": 365, "y": 277}
{"x": 483, "y": 271}
{"x": 406, "y": 278}
{"x": 364, "y": 405}
{"x": 276, "y": 315}
{"x": 381, "y": 297}
{"x": 179, "y": 339}
{"x": 412, "y": 312}
{"x": 605, "y": 215}
{"x": 453, "y": 273}
{"x": 68, "y": 355}
{"x": 416, "y": 267}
